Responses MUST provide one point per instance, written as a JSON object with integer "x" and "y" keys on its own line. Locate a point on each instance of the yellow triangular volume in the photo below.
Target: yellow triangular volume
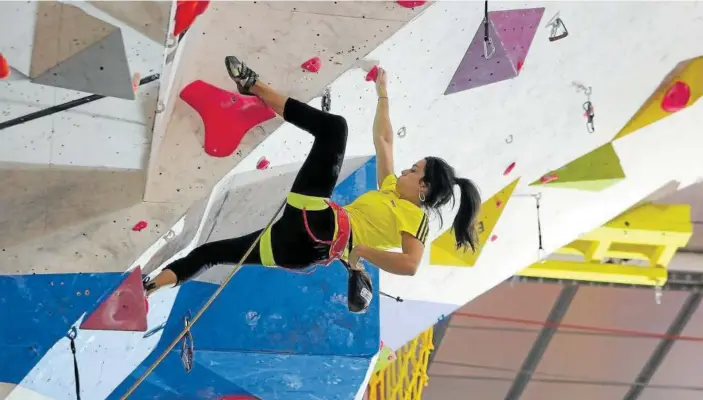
{"x": 443, "y": 250}
{"x": 680, "y": 89}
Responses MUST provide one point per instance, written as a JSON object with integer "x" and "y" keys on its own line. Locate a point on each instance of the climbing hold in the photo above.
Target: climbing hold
{"x": 512, "y": 32}
{"x": 373, "y": 74}
{"x": 139, "y": 226}
{"x": 186, "y": 13}
{"x": 549, "y": 178}
{"x": 493, "y": 238}
{"x": 262, "y": 164}
{"x": 4, "y": 67}
{"x": 312, "y": 65}
{"x": 123, "y": 310}
{"x": 499, "y": 203}
{"x": 594, "y": 171}
{"x": 676, "y": 97}
{"x": 227, "y": 116}
{"x": 443, "y": 250}
{"x": 682, "y": 87}
{"x": 136, "y": 78}
{"x": 509, "y": 169}
{"x": 411, "y": 4}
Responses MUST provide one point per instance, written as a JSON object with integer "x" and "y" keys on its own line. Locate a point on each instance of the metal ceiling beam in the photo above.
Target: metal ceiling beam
{"x": 662, "y": 350}
{"x": 534, "y": 356}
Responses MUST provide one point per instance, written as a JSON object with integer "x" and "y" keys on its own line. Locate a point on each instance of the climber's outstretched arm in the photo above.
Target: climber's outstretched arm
{"x": 405, "y": 263}
{"x": 382, "y": 131}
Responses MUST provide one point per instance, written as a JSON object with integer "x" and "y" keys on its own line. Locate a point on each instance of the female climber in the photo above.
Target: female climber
{"x": 311, "y": 227}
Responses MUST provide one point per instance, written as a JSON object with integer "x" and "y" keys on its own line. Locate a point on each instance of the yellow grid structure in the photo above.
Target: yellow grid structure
{"x": 406, "y": 377}
{"x": 652, "y": 233}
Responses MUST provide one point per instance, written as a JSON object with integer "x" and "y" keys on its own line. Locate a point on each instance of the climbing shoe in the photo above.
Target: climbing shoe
{"x": 359, "y": 290}
{"x": 242, "y": 75}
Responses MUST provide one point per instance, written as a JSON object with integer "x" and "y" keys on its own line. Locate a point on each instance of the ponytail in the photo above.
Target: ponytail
{"x": 465, "y": 220}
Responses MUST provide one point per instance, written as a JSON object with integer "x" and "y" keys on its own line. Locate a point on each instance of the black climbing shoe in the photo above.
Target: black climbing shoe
{"x": 359, "y": 290}
{"x": 242, "y": 75}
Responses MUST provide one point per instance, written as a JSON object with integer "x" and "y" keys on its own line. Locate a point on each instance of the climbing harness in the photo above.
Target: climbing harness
{"x": 72, "y": 334}
{"x": 489, "y": 49}
{"x": 207, "y": 304}
{"x": 326, "y": 100}
{"x": 587, "y": 106}
{"x": 187, "y": 346}
{"x": 555, "y": 23}
{"x": 396, "y": 298}
{"x": 338, "y": 245}
{"x": 402, "y": 132}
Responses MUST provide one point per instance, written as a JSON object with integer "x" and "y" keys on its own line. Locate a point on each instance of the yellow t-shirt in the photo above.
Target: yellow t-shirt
{"x": 378, "y": 217}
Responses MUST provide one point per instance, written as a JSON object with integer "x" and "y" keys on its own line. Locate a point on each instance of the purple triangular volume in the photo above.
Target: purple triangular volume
{"x": 515, "y": 30}
{"x": 474, "y": 70}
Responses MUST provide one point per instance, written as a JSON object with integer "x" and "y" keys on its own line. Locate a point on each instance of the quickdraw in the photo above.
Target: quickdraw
{"x": 489, "y": 49}
{"x": 187, "y": 346}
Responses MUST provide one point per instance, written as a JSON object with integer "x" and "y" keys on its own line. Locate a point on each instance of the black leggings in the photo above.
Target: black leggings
{"x": 292, "y": 246}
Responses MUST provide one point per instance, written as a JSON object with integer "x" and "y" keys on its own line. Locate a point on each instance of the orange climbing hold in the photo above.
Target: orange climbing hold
{"x": 123, "y": 310}
{"x": 186, "y": 13}
{"x": 312, "y": 65}
{"x": 4, "y": 67}
{"x": 227, "y": 116}
{"x": 373, "y": 74}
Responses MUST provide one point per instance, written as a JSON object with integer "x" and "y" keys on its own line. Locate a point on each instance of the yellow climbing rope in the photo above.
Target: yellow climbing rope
{"x": 207, "y": 304}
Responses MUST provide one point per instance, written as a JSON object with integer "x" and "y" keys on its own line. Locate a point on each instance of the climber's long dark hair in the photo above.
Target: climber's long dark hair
{"x": 440, "y": 179}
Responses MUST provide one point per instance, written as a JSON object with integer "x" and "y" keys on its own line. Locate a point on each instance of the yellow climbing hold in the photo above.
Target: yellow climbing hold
{"x": 680, "y": 89}
{"x": 594, "y": 171}
{"x": 443, "y": 250}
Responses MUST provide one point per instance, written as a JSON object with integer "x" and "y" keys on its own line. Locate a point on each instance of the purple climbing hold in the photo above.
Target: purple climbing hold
{"x": 516, "y": 29}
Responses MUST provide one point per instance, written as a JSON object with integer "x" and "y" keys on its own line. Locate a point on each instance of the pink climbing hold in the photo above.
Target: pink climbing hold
{"x": 227, "y": 116}
{"x": 509, "y": 169}
{"x": 494, "y": 238}
{"x": 262, "y": 164}
{"x": 411, "y": 4}
{"x": 676, "y": 97}
{"x": 312, "y": 65}
{"x": 373, "y": 74}
{"x": 139, "y": 226}
{"x": 499, "y": 203}
{"x": 549, "y": 178}
{"x": 123, "y": 310}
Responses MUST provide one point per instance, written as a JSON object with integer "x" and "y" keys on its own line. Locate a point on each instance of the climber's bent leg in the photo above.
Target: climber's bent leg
{"x": 320, "y": 171}
{"x": 228, "y": 251}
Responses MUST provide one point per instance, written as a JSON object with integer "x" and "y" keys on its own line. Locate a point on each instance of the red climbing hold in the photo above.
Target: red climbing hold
{"x": 186, "y": 13}
{"x": 549, "y": 178}
{"x": 520, "y": 63}
{"x": 139, "y": 226}
{"x": 312, "y": 65}
{"x": 509, "y": 169}
{"x": 410, "y": 4}
{"x": 123, "y": 310}
{"x": 227, "y": 116}
{"x": 4, "y": 67}
{"x": 262, "y": 164}
{"x": 494, "y": 238}
{"x": 676, "y": 97}
{"x": 373, "y": 74}
{"x": 499, "y": 203}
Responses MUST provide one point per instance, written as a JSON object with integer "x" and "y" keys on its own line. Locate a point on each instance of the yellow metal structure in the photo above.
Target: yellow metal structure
{"x": 443, "y": 250}
{"x": 652, "y": 233}
{"x": 406, "y": 377}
